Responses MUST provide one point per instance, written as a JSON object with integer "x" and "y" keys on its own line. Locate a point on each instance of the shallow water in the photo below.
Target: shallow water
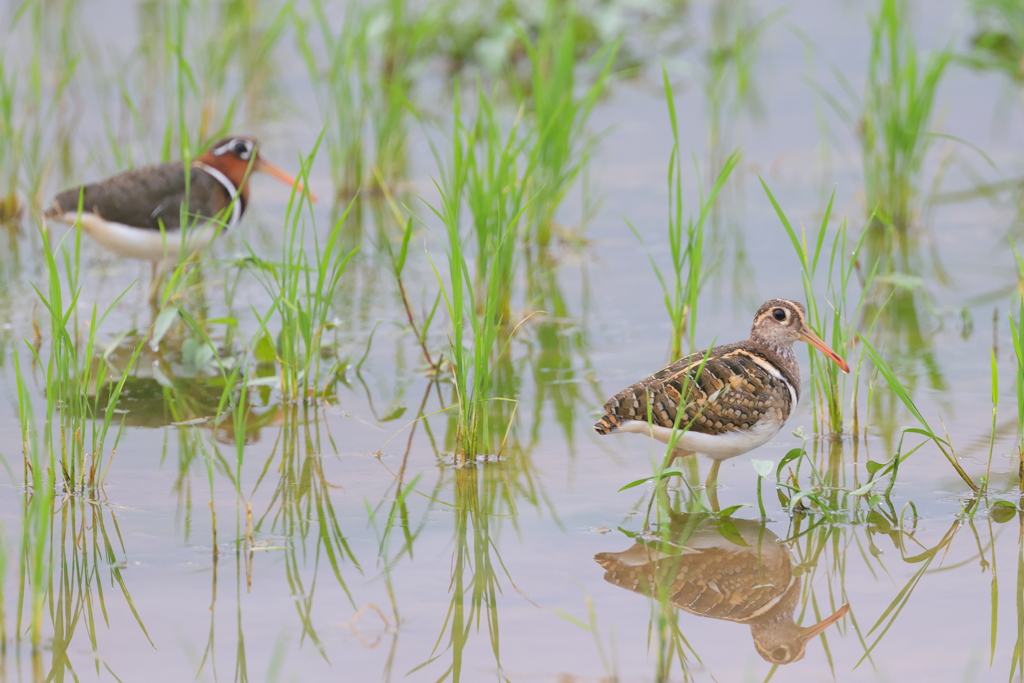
{"x": 173, "y": 572}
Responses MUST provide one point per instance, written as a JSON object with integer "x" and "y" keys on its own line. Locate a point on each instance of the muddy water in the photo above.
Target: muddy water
{"x": 319, "y": 565}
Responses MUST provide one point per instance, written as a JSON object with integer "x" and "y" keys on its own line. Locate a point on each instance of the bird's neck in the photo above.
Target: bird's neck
{"x": 781, "y": 356}
{"x": 234, "y": 169}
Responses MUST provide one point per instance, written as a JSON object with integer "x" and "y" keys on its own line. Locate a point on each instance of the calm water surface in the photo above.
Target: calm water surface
{"x": 520, "y": 569}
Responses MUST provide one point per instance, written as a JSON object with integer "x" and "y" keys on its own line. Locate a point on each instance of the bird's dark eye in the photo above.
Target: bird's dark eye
{"x": 779, "y": 653}
{"x": 241, "y": 148}
{"x": 779, "y": 314}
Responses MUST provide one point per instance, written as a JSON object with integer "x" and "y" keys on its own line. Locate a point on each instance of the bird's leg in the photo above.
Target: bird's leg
{"x": 156, "y": 274}
{"x": 711, "y": 485}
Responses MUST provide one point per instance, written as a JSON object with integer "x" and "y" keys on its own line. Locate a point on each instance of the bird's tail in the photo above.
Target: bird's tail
{"x": 609, "y": 424}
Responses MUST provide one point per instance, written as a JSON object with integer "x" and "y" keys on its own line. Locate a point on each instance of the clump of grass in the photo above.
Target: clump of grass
{"x": 71, "y": 455}
{"x": 892, "y": 119}
{"x": 831, "y": 325}
{"x": 302, "y": 285}
{"x": 558, "y": 113}
{"x": 998, "y": 42}
{"x": 485, "y": 172}
{"x": 897, "y": 113}
{"x": 365, "y": 81}
{"x": 925, "y": 430}
{"x": 685, "y": 238}
{"x": 76, "y": 427}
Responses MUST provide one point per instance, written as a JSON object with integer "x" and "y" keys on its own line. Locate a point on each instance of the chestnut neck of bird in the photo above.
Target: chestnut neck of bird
{"x": 233, "y": 168}
{"x": 779, "y": 352}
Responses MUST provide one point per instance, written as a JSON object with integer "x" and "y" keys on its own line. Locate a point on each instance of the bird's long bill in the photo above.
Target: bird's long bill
{"x": 265, "y": 166}
{"x": 815, "y": 341}
{"x": 812, "y": 631}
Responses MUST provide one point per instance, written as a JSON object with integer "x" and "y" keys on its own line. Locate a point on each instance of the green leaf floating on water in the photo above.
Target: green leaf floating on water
{"x": 1002, "y": 511}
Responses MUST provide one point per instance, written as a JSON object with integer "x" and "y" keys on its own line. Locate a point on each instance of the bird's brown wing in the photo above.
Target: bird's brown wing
{"x": 724, "y": 390}
{"x": 148, "y": 197}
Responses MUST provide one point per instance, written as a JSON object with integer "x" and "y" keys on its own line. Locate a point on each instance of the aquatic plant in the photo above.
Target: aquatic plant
{"x": 76, "y": 428}
{"x": 998, "y": 41}
{"x": 302, "y": 285}
{"x": 685, "y": 239}
{"x": 364, "y": 81}
{"x": 558, "y": 113}
{"x": 485, "y": 171}
{"x": 832, "y": 324}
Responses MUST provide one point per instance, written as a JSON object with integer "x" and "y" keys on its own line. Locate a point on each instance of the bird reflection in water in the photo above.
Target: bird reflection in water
{"x": 700, "y": 567}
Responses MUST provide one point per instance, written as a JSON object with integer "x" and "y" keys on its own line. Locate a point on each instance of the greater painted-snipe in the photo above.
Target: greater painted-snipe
{"x": 139, "y": 213}
{"x": 733, "y": 398}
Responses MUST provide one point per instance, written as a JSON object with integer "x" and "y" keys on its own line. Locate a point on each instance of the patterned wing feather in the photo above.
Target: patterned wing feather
{"x": 726, "y": 391}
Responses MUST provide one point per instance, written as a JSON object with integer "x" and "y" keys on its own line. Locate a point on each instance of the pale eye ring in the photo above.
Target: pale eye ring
{"x": 779, "y": 314}
{"x": 779, "y": 653}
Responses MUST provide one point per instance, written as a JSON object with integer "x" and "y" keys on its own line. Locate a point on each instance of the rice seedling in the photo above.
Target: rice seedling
{"x": 685, "y": 238}
{"x": 364, "y": 79}
{"x": 302, "y": 286}
{"x": 729, "y": 84}
{"x": 833, "y": 326}
{"x": 34, "y": 563}
{"x": 893, "y": 118}
{"x": 485, "y": 172}
{"x": 925, "y": 430}
{"x": 76, "y": 430}
{"x": 559, "y": 115}
{"x": 998, "y": 42}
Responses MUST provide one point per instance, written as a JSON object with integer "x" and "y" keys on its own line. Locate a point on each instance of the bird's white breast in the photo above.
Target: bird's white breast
{"x": 716, "y": 446}
{"x": 142, "y": 243}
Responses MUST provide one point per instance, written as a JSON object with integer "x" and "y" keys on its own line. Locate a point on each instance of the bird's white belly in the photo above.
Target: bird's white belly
{"x": 715, "y": 446}
{"x": 142, "y": 243}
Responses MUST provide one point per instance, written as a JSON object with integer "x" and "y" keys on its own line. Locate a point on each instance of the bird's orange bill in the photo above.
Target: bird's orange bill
{"x": 815, "y": 341}
{"x": 269, "y": 168}
{"x": 812, "y": 631}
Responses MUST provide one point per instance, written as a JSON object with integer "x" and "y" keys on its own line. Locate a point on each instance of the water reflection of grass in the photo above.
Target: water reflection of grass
{"x": 502, "y": 227}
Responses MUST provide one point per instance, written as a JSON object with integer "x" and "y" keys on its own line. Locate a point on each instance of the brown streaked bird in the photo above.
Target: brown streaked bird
{"x": 734, "y": 398}
{"x": 711, "y": 576}
{"x": 139, "y": 213}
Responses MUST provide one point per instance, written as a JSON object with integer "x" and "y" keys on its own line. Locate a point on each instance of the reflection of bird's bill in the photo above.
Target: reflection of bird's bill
{"x": 270, "y": 169}
{"x": 815, "y": 341}
{"x": 825, "y": 623}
